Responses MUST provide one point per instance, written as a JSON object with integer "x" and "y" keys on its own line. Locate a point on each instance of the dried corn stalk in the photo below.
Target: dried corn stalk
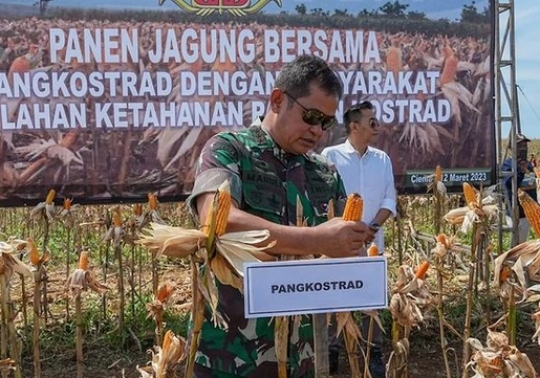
{"x": 437, "y": 184}
{"x": 524, "y": 261}
{"x": 165, "y": 359}
{"x": 410, "y": 296}
{"x": 478, "y": 210}
{"x": 354, "y": 208}
{"x": 81, "y": 280}
{"x": 222, "y": 254}
{"x": 498, "y": 359}
{"x": 536, "y": 318}
{"x": 281, "y": 331}
{"x": 9, "y": 264}
{"x": 45, "y": 209}
{"x": 157, "y": 306}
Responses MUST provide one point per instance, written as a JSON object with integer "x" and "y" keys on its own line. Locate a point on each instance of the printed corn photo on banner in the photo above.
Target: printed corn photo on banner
{"x": 107, "y": 101}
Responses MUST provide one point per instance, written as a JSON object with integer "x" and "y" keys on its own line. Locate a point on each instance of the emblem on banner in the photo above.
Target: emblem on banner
{"x": 235, "y": 7}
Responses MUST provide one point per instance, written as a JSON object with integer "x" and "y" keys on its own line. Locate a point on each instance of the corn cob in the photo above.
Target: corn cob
{"x": 218, "y": 214}
{"x": 34, "y": 254}
{"x": 450, "y": 67}
{"x": 354, "y": 208}
{"x": 531, "y": 209}
{"x": 83, "y": 260}
{"x": 470, "y": 194}
{"x": 393, "y": 60}
{"x": 422, "y": 270}
{"x": 167, "y": 340}
{"x": 438, "y": 173}
{"x": 441, "y": 238}
{"x": 50, "y": 197}
{"x": 152, "y": 201}
{"x": 373, "y": 250}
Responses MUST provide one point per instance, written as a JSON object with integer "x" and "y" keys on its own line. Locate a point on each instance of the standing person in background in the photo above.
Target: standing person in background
{"x": 533, "y": 161}
{"x": 368, "y": 171}
{"x": 269, "y": 166}
{"x": 525, "y": 181}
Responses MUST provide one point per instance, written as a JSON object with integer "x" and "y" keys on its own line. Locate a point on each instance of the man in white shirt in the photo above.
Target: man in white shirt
{"x": 367, "y": 171}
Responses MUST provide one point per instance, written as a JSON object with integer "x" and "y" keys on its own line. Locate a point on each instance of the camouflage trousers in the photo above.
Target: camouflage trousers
{"x": 204, "y": 372}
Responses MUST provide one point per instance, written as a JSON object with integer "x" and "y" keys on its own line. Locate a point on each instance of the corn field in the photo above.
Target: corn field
{"x": 84, "y": 281}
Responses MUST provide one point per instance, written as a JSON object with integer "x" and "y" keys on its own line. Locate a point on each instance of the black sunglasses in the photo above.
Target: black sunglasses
{"x": 314, "y": 117}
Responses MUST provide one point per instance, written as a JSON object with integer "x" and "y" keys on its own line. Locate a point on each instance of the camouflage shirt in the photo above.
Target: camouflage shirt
{"x": 265, "y": 181}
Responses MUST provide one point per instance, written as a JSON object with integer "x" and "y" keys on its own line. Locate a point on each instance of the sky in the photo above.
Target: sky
{"x": 527, "y": 17}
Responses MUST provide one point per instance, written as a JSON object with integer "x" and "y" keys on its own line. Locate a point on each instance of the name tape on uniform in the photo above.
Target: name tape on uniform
{"x": 315, "y": 286}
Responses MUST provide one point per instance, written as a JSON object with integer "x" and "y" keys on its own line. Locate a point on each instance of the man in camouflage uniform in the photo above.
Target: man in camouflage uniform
{"x": 269, "y": 165}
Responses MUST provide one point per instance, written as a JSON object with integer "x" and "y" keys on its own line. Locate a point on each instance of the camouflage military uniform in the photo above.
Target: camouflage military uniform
{"x": 265, "y": 181}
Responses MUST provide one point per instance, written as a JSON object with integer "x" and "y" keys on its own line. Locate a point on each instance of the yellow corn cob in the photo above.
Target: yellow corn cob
{"x": 450, "y": 67}
{"x": 373, "y": 250}
{"x": 422, "y": 270}
{"x": 470, "y": 193}
{"x": 152, "y": 201}
{"x": 117, "y": 218}
{"x": 83, "y": 260}
{"x": 353, "y": 208}
{"x": 138, "y": 209}
{"x": 50, "y": 197}
{"x": 531, "y": 209}
{"x": 218, "y": 213}
{"x": 167, "y": 340}
{"x": 393, "y": 60}
{"x": 441, "y": 238}
{"x": 438, "y": 173}
{"x": 34, "y": 254}
{"x": 164, "y": 293}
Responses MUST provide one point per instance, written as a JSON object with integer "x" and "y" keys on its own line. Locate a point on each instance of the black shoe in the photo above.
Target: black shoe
{"x": 333, "y": 361}
{"x": 377, "y": 367}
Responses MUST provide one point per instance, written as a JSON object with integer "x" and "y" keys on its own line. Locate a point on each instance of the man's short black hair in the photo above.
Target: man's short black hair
{"x": 350, "y": 114}
{"x": 297, "y": 77}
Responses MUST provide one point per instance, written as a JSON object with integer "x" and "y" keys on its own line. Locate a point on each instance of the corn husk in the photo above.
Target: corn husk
{"x": 498, "y": 358}
{"x": 165, "y": 359}
{"x": 410, "y": 297}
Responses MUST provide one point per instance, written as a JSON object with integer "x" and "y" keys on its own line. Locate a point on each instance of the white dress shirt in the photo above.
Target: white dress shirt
{"x": 369, "y": 175}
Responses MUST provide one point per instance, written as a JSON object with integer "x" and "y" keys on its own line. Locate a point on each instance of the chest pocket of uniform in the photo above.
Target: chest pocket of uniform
{"x": 263, "y": 194}
{"x": 322, "y": 187}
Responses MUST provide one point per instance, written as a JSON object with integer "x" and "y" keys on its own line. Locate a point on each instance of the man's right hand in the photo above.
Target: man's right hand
{"x": 338, "y": 238}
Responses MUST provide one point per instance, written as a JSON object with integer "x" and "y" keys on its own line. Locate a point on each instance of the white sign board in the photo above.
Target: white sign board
{"x": 315, "y": 286}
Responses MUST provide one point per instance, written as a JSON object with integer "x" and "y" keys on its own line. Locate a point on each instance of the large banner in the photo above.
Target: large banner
{"x": 107, "y": 101}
